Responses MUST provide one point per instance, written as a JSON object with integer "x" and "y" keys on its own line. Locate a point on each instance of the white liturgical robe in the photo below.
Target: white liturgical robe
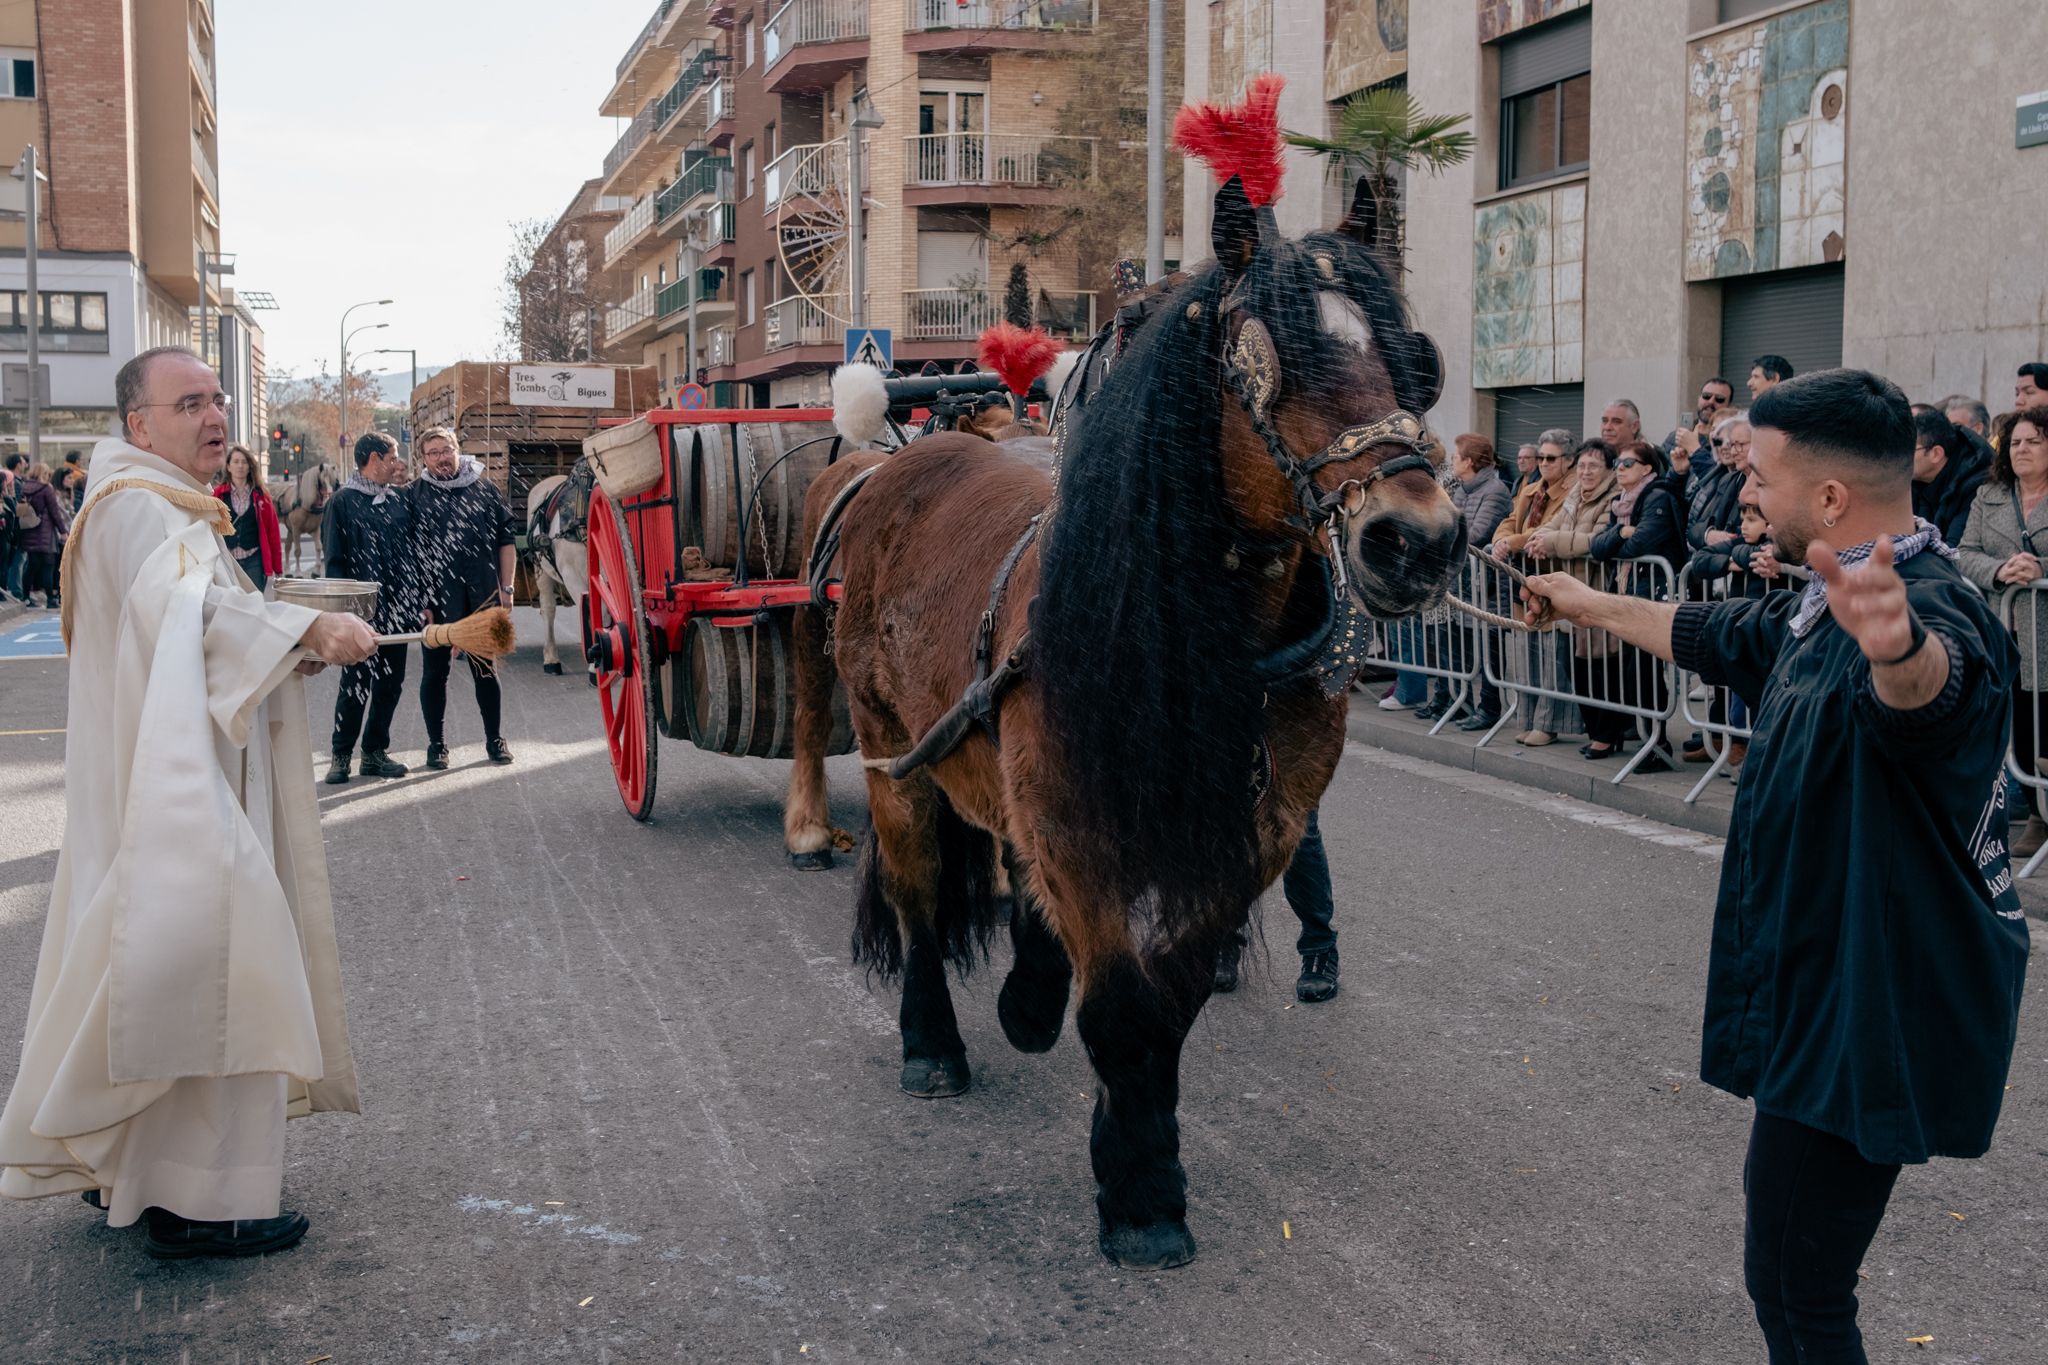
{"x": 188, "y": 993}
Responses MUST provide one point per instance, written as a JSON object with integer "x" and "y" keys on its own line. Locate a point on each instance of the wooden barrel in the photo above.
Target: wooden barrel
{"x": 777, "y": 461}
{"x": 735, "y": 687}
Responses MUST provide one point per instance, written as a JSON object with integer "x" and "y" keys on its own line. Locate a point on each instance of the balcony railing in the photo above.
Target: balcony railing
{"x": 629, "y": 229}
{"x": 1034, "y": 159}
{"x": 630, "y": 140}
{"x": 926, "y": 16}
{"x": 717, "y": 101}
{"x": 673, "y": 298}
{"x": 718, "y": 346}
{"x": 963, "y": 314}
{"x": 796, "y": 321}
{"x": 815, "y": 170}
{"x": 812, "y": 21}
{"x": 203, "y": 163}
{"x": 711, "y": 175}
{"x": 661, "y": 10}
{"x": 204, "y": 66}
{"x": 696, "y": 72}
{"x": 630, "y": 314}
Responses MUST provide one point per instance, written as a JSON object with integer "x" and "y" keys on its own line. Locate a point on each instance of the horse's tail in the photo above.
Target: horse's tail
{"x": 965, "y": 910}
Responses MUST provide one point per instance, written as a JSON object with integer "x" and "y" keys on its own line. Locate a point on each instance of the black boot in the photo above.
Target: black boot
{"x": 338, "y": 773}
{"x": 171, "y": 1238}
{"x": 498, "y": 750}
{"x": 437, "y": 755}
{"x": 1226, "y": 965}
{"x": 380, "y": 764}
{"x": 1318, "y": 979}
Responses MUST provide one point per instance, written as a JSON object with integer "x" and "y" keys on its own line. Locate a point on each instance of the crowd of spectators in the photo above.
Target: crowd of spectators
{"x": 1652, "y": 519}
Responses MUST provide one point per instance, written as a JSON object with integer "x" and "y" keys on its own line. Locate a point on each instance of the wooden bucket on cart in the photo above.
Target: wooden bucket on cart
{"x": 776, "y": 463}
{"x": 732, "y": 690}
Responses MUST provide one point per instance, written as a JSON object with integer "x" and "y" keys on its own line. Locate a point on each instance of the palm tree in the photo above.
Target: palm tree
{"x": 1380, "y": 133}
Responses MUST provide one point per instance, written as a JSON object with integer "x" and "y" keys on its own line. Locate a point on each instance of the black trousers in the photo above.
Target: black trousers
{"x": 434, "y": 691}
{"x": 1309, "y": 895}
{"x": 1813, "y": 1206}
{"x": 368, "y": 700}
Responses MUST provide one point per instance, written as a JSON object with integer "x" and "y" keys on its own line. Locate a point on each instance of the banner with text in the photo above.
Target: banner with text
{"x": 563, "y": 386}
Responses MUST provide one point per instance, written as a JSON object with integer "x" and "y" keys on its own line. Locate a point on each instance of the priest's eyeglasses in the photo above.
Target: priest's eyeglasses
{"x": 192, "y": 404}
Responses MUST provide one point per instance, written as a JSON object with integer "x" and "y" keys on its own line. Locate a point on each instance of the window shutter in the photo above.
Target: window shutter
{"x": 1793, "y": 313}
{"x": 1520, "y": 414}
{"x": 1546, "y": 55}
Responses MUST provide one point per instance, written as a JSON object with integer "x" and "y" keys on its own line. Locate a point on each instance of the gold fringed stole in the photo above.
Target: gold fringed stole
{"x": 202, "y": 505}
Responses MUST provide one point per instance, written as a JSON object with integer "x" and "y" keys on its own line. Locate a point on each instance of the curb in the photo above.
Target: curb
{"x": 1558, "y": 768}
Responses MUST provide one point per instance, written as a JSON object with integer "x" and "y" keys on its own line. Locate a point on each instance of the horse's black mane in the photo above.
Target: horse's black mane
{"x": 1140, "y": 640}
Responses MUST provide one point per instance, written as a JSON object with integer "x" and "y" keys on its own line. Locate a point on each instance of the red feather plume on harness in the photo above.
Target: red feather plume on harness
{"x": 1243, "y": 140}
{"x": 1022, "y": 358}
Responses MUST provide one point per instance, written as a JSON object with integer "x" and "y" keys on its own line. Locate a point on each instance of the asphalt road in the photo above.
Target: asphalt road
{"x": 626, "y": 1100}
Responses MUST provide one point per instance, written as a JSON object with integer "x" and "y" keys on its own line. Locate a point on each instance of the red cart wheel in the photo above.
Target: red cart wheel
{"x": 616, "y": 642}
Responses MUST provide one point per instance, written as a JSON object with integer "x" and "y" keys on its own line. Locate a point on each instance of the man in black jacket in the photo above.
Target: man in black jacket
{"x": 367, "y": 532}
{"x": 1869, "y": 948}
{"x": 463, "y": 543}
{"x": 1949, "y": 462}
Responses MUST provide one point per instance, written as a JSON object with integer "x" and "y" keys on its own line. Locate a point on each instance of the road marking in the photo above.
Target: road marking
{"x": 37, "y": 638}
{"x": 10, "y": 734}
{"x": 1550, "y": 803}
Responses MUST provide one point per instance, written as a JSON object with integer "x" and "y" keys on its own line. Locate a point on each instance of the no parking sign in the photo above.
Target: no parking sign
{"x": 692, "y": 398}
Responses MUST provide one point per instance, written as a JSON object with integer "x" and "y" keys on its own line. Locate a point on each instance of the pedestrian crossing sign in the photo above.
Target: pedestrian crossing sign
{"x": 869, "y": 346}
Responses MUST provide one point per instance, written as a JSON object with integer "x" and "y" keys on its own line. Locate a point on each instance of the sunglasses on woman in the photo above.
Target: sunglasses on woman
{"x": 1627, "y": 462}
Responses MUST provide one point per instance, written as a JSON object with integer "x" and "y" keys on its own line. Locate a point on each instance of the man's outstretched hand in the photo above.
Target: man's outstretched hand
{"x": 1554, "y": 596}
{"x": 1869, "y": 601}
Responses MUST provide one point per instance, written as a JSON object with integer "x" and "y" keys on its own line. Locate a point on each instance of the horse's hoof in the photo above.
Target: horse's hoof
{"x": 1154, "y": 1246}
{"x": 817, "y": 861}
{"x": 555, "y": 669}
{"x": 1031, "y": 1018}
{"x": 935, "y": 1078}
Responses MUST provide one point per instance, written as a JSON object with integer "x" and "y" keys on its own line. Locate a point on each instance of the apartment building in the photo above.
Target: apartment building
{"x": 736, "y": 260}
{"x": 120, "y": 100}
{"x": 1665, "y": 189}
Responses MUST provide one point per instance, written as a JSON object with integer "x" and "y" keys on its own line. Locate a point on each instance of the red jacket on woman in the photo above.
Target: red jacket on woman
{"x": 268, "y": 538}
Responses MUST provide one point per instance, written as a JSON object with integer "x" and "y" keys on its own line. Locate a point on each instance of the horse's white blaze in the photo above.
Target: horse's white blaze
{"x": 1344, "y": 319}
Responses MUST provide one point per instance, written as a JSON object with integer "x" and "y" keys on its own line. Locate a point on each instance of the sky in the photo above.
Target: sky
{"x": 381, "y": 149}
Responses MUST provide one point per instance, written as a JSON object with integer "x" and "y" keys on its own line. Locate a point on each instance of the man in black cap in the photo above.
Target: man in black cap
{"x": 367, "y": 533}
{"x": 1869, "y": 949}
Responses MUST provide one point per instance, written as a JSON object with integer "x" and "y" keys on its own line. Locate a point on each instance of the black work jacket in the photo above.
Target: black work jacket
{"x": 1946, "y": 500}
{"x": 1716, "y": 504}
{"x": 1659, "y": 521}
{"x": 373, "y": 540}
{"x": 1869, "y": 949}
{"x": 457, "y": 533}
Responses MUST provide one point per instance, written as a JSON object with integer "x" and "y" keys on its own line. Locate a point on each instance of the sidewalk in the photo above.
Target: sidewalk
{"x": 1558, "y": 768}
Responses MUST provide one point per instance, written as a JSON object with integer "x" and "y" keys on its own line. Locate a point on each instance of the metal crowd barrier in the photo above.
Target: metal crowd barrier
{"x": 1714, "y": 725}
{"x": 1436, "y": 645}
{"x": 1556, "y": 675}
{"x": 2025, "y": 613}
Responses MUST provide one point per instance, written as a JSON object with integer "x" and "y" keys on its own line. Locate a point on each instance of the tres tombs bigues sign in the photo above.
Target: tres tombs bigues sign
{"x": 563, "y": 386}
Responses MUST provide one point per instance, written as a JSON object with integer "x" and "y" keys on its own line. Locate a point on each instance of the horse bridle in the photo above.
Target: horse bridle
{"x": 1252, "y": 365}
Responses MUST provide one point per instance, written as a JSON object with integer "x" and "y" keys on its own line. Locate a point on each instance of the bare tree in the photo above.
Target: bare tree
{"x": 550, "y": 303}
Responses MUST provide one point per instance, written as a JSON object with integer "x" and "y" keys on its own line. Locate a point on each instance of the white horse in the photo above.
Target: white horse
{"x": 558, "y": 549}
{"x": 300, "y": 507}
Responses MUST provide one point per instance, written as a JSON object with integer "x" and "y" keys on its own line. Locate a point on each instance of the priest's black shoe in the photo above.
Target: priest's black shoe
{"x": 437, "y": 756}
{"x": 171, "y": 1238}
{"x": 1318, "y": 979}
{"x": 338, "y": 773}
{"x": 380, "y": 764}
{"x": 498, "y": 750}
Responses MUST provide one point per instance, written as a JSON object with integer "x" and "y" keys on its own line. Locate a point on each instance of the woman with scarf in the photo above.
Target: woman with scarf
{"x": 463, "y": 544}
{"x": 257, "y": 545}
{"x": 1646, "y": 520}
{"x": 1543, "y": 718}
{"x": 1565, "y": 543}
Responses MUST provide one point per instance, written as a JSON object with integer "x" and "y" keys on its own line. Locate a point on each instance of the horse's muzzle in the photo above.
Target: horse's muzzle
{"x": 1402, "y": 559}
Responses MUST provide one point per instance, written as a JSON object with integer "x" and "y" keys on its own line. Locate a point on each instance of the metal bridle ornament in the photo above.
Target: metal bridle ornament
{"x": 1252, "y": 366}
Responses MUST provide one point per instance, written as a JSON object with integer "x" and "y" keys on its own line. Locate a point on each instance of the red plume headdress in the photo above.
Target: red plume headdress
{"x": 1022, "y": 358}
{"x": 1243, "y": 140}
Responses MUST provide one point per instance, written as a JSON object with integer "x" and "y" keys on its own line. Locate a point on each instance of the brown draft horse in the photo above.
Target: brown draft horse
{"x": 1152, "y": 770}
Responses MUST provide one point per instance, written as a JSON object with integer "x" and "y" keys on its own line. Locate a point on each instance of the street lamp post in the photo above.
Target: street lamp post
{"x": 31, "y": 177}
{"x": 341, "y": 399}
{"x": 414, "y": 357}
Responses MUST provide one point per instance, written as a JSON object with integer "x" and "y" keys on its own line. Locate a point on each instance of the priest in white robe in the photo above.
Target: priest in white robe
{"x": 188, "y": 996}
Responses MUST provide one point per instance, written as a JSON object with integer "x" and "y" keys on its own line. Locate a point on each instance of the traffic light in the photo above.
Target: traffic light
{"x": 277, "y": 436}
